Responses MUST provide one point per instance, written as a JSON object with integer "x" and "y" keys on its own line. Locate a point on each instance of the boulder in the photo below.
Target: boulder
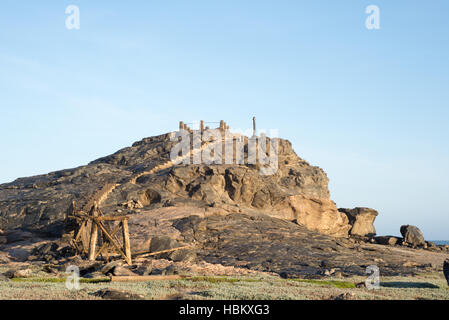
{"x": 320, "y": 215}
{"x": 162, "y": 243}
{"x": 361, "y": 221}
{"x": 412, "y": 235}
{"x": 446, "y": 270}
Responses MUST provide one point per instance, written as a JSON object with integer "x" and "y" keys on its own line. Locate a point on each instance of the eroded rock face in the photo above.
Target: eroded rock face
{"x": 319, "y": 215}
{"x": 412, "y": 235}
{"x": 361, "y": 221}
{"x": 142, "y": 177}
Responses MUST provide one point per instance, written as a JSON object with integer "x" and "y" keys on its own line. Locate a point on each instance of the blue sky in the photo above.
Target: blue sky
{"x": 371, "y": 107}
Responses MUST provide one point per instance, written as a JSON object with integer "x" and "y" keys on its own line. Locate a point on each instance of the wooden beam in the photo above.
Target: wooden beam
{"x": 126, "y": 242}
{"x": 110, "y": 218}
{"x": 148, "y": 254}
{"x": 93, "y": 242}
{"x": 94, "y": 233}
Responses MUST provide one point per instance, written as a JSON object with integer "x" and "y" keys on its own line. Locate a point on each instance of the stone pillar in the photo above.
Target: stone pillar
{"x": 222, "y": 124}
{"x": 181, "y": 125}
{"x": 201, "y": 126}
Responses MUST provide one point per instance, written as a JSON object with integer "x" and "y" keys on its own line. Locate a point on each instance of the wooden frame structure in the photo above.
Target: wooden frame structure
{"x": 93, "y": 227}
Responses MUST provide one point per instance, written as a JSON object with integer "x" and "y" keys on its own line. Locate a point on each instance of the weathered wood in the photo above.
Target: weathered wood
{"x": 116, "y": 218}
{"x": 93, "y": 242}
{"x": 144, "y": 254}
{"x": 126, "y": 243}
{"x": 93, "y": 236}
{"x": 105, "y": 243}
{"x": 117, "y": 246}
{"x": 144, "y": 278}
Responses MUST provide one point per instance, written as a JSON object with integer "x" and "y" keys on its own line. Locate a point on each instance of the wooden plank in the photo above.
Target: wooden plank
{"x": 112, "y": 218}
{"x": 145, "y": 278}
{"x": 93, "y": 242}
{"x": 148, "y": 254}
{"x": 126, "y": 243}
{"x": 94, "y": 234}
{"x": 80, "y": 231}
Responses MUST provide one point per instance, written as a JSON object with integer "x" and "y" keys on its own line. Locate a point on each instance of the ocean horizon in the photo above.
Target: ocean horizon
{"x": 440, "y": 242}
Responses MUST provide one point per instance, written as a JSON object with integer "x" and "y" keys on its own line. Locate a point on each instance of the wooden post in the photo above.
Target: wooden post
{"x": 254, "y": 127}
{"x": 202, "y": 126}
{"x": 126, "y": 243}
{"x": 94, "y": 234}
{"x": 181, "y": 125}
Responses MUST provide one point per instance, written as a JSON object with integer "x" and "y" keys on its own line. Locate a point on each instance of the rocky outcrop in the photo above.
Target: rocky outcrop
{"x": 412, "y": 236}
{"x": 361, "y": 221}
{"x": 319, "y": 215}
{"x": 142, "y": 177}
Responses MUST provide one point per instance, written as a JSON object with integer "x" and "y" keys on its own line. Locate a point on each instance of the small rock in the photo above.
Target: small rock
{"x": 114, "y": 294}
{"x": 145, "y": 269}
{"x": 109, "y": 267}
{"x": 387, "y": 240}
{"x": 360, "y": 285}
{"x": 86, "y": 267}
{"x": 338, "y": 274}
{"x": 345, "y": 296}
{"x": 18, "y": 273}
{"x": 50, "y": 269}
{"x": 185, "y": 255}
{"x": 121, "y": 271}
{"x": 94, "y": 275}
{"x": 3, "y": 278}
{"x": 171, "y": 270}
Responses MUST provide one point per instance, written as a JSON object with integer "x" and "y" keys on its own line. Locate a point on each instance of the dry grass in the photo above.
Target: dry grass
{"x": 428, "y": 286}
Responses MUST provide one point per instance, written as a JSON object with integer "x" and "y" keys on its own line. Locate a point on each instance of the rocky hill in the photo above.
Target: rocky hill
{"x": 142, "y": 177}
{"x": 229, "y": 214}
